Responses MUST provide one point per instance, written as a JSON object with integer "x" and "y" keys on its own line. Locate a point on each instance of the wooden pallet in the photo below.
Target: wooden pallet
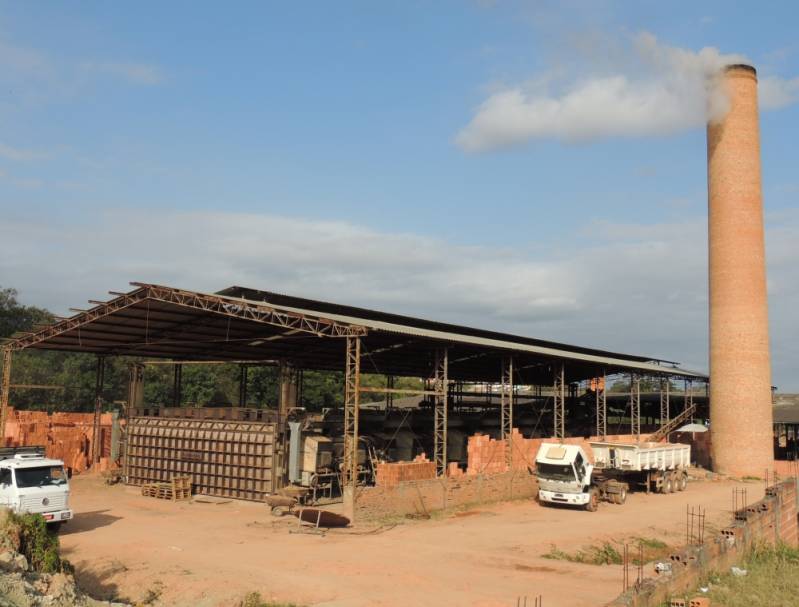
{"x": 179, "y": 488}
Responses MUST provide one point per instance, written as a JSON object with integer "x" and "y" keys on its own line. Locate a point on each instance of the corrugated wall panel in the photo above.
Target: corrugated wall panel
{"x": 224, "y": 458}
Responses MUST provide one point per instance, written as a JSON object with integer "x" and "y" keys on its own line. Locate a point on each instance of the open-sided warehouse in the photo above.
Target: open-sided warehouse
{"x": 520, "y": 376}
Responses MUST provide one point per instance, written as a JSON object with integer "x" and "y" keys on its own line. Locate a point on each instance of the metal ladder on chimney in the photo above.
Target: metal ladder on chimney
{"x": 672, "y": 424}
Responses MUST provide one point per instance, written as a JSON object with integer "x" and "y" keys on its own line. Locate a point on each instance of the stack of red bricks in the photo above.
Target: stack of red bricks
{"x": 490, "y": 456}
{"x": 394, "y": 473}
{"x": 65, "y": 436}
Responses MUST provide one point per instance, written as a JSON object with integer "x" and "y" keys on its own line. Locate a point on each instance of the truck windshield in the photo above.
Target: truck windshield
{"x": 41, "y": 476}
{"x": 556, "y": 472}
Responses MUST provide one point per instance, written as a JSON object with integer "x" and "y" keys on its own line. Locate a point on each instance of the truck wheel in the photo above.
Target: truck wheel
{"x": 593, "y": 501}
{"x": 621, "y": 496}
{"x": 668, "y": 483}
{"x": 682, "y": 482}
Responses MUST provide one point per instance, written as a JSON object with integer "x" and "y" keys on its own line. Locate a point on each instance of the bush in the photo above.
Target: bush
{"x": 39, "y": 545}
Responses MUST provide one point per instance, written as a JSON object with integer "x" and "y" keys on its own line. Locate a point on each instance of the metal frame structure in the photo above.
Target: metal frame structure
{"x": 665, "y": 389}
{"x": 559, "y": 401}
{"x": 506, "y": 406}
{"x": 635, "y": 405}
{"x": 352, "y": 391}
{"x": 99, "y": 383}
{"x": 177, "y": 385}
{"x": 440, "y": 388}
{"x": 601, "y": 407}
{"x": 5, "y": 388}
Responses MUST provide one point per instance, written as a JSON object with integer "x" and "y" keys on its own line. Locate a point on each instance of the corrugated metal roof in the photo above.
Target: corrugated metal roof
{"x": 616, "y": 360}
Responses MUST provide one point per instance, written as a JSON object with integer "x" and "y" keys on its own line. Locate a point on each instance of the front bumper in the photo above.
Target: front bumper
{"x": 58, "y": 516}
{"x": 575, "y": 499}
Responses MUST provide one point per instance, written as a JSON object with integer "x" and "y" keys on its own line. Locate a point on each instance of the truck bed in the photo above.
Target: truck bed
{"x": 641, "y": 457}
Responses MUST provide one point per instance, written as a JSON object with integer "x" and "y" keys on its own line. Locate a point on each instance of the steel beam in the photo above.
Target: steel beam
{"x": 177, "y": 385}
{"x": 5, "y": 388}
{"x": 601, "y": 407}
{"x": 559, "y": 401}
{"x": 665, "y": 390}
{"x": 99, "y": 382}
{"x": 352, "y": 382}
{"x": 506, "y": 407}
{"x": 242, "y": 385}
{"x": 440, "y": 383}
{"x": 237, "y": 309}
{"x": 688, "y": 397}
{"x": 389, "y": 393}
{"x": 635, "y": 405}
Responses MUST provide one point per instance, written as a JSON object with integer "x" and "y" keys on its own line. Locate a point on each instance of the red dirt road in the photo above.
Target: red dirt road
{"x": 206, "y": 554}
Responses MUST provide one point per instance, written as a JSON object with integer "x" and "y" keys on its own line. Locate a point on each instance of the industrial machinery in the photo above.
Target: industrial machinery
{"x": 567, "y": 476}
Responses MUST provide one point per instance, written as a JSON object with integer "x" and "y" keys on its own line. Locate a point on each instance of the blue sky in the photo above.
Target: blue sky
{"x": 318, "y": 149}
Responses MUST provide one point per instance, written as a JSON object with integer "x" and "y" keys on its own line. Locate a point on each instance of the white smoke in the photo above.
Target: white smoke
{"x": 656, "y": 90}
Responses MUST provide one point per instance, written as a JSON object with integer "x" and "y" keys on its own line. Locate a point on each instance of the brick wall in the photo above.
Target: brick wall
{"x": 425, "y": 496}
{"x": 393, "y": 473}
{"x": 771, "y": 520}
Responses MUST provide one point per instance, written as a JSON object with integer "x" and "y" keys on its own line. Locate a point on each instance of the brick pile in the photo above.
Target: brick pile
{"x": 487, "y": 455}
{"x": 65, "y": 436}
{"x": 394, "y": 473}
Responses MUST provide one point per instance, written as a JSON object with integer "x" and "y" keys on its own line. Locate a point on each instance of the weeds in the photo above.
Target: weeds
{"x": 772, "y": 580}
{"x": 253, "y": 599}
{"x": 608, "y": 553}
{"x": 39, "y": 545}
{"x": 603, "y": 554}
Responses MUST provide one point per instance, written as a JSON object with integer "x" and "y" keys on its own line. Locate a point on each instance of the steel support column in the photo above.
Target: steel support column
{"x": 99, "y": 382}
{"x": 601, "y": 407}
{"x": 352, "y": 383}
{"x": 5, "y": 388}
{"x": 688, "y": 397}
{"x": 665, "y": 395}
{"x": 635, "y": 405}
{"x": 389, "y": 395}
{"x": 559, "y": 401}
{"x": 506, "y": 407}
{"x": 177, "y": 386}
{"x": 440, "y": 384}
{"x": 243, "y": 385}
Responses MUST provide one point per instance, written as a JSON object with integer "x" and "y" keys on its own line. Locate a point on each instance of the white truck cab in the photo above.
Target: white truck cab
{"x": 564, "y": 475}
{"x": 33, "y": 483}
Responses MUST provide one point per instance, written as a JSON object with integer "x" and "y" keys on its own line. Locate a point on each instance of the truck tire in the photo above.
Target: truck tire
{"x": 668, "y": 483}
{"x": 593, "y": 500}
{"x": 682, "y": 481}
{"x": 621, "y": 496}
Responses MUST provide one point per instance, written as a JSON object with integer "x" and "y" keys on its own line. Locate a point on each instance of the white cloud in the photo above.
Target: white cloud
{"x": 655, "y": 90}
{"x": 134, "y": 73}
{"x": 13, "y": 153}
{"x": 638, "y": 288}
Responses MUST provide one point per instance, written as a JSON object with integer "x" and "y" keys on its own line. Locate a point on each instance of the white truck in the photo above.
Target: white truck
{"x": 30, "y": 482}
{"x": 567, "y": 476}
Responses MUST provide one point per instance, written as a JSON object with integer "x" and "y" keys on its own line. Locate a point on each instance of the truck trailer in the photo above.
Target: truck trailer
{"x": 566, "y": 474}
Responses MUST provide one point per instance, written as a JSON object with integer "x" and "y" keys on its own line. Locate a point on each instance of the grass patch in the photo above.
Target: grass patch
{"x": 772, "y": 580}
{"x": 601, "y": 554}
{"x": 610, "y": 553}
{"x": 254, "y": 599}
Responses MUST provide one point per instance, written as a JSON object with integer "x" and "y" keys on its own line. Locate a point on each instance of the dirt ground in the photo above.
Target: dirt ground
{"x": 213, "y": 552}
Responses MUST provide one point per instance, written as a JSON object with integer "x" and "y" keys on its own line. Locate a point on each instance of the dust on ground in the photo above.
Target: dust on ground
{"x": 210, "y": 553}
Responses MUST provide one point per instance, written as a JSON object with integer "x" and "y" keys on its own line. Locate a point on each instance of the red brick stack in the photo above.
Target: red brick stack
{"x": 65, "y": 436}
{"x": 394, "y": 473}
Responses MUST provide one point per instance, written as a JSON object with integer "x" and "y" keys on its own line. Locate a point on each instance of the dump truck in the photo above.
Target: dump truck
{"x": 33, "y": 483}
{"x": 566, "y": 474}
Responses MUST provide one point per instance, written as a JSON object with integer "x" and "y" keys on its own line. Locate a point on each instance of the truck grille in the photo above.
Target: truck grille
{"x": 34, "y": 503}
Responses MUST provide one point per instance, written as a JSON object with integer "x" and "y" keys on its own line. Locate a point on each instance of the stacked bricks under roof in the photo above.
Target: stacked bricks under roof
{"x": 65, "y": 436}
{"x": 740, "y": 369}
{"x": 394, "y": 473}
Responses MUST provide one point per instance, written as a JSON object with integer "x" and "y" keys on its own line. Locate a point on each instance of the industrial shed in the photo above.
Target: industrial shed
{"x": 246, "y": 453}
